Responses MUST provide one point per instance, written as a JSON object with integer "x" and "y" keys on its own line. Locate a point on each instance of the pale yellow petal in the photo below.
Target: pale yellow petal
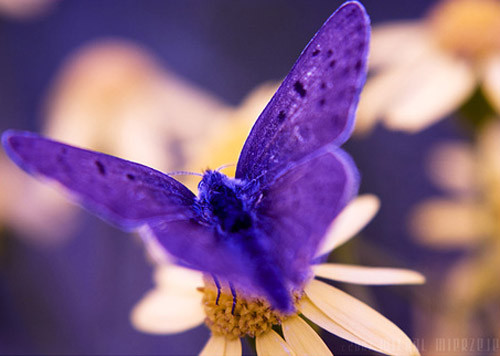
{"x": 351, "y": 220}
{"x": 452, "y": 167}
{"x": 397, "y": 49}
{"x": 397, "y": 42}
{"x": 233, "y": 347}
{"x": 378, "y": 94}
{"x": 169, "y": 276}
{"x": 444, "y": 223}
{"x": 488, "y": 147}
{"x": 302, "y": 338}
{"x": 313, "y": 313}
{"x": 367, "y": 275}
{"x": 216, "y": 346}
{"x": 271, "y": 344}
{"x": 163, "y": 312}
{"x": 491, "y": 81}
{"x": 173, "y": 306}
{"x": 429, "y": 91}
{"x": 360, "y": 319}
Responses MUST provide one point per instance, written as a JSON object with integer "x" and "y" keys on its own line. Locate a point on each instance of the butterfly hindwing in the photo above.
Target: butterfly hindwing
{"x": 122, "y": 192}
{"x": 297, "y": 208}
{"x": 315, "y": 105}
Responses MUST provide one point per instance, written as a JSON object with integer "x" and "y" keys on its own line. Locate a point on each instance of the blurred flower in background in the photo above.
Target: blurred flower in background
{"x": 467, "y": 218}
{"x": 114, "y": 97}
{"x": 109, "y": 96}
{"x": 25, "y": 9}
{"x": 423, "y": 70}
{"x": 174, "y": 305}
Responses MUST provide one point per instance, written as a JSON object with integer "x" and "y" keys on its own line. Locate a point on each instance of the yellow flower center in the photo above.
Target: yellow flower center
{"x": 251, "y": 316}
{"x": 468, "y": 28}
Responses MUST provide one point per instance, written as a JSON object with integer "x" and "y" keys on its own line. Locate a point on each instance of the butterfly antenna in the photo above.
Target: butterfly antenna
{"x": 184, "y": 173}
{"x": 225, "y": 166}
{"x": 217, "y": 284}
{"x": 233, "y": 292}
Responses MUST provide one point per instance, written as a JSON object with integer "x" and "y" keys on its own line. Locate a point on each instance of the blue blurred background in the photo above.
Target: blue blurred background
{"x": 75, "y": 298}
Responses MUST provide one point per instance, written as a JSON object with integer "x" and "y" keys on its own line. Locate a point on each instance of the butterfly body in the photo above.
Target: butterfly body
{"x": 260, "y": 230}
{"x": 226, "y": 203}
{"x": 228, "y": 206}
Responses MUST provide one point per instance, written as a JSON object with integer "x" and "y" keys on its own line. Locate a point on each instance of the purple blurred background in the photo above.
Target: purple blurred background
{"x": 76, "y": 298}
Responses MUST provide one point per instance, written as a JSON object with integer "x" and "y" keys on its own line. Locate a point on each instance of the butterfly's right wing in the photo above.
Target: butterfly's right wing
{"x": 316, "y": 103}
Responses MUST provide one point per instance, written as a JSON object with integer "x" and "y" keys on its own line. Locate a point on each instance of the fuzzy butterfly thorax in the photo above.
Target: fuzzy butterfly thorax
{"x": 226, "y": 203}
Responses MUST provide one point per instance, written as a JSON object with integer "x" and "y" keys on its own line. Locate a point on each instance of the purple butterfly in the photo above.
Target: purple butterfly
{"x": 259, "y": 230}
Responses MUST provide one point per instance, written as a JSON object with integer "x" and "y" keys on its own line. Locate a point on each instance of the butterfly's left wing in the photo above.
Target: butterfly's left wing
{"x": 119, "y": 191}
{"x": 295, "y": 211}
{"x": 316, "y": 103}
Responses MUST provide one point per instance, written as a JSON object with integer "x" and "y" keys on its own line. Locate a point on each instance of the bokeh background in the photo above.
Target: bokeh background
{"x": 74, "y": 295}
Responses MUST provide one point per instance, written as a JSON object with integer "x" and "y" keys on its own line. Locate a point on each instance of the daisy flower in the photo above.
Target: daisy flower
{"x": 468, "y": 218}
{"x": 183, "y": 299}
{"x": 424, "y": 70}
{"x": 470, "y": 175}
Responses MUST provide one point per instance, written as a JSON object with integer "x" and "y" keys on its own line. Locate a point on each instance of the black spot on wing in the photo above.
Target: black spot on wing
{"x": 358, "y": 65}
{"x": 130, "y": 176}
{"x": 329, "y": 53}
{"x": 281, "y": 116}
{"x": 316, "y": 52}
{"x": 100, "y": 168}
{"x": 299, "y": 88}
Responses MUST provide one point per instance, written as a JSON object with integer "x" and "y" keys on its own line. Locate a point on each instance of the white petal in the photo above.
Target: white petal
{"x": 491, "y": 81}
{"x": 360, "y": 319}
{"x": 233, "y": 347}
{"x": 183, "y": 280}
{"x": 160, "y": 312}
{"x": 429, "y": 91}
{"x": 215, "y": 346}
{"x": 271, "y": 344}
{"x": 447, "y": 224}
{"x": 378, "y": 94}
{"x": 174, "y": 306}
{"x": 452, "y": 166}
{"x": 397, "y": 42}
{"x": 396, "y": 48}
{"x": 350, "y": 222}
{"x": 367, "y": 275}
{"x": 313, "y": 313}
{"x": 302, "y": 338}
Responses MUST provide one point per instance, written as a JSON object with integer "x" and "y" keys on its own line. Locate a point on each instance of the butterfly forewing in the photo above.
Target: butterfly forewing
{"x": 315, "y": 104}
{"x": 125, "y": 193}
